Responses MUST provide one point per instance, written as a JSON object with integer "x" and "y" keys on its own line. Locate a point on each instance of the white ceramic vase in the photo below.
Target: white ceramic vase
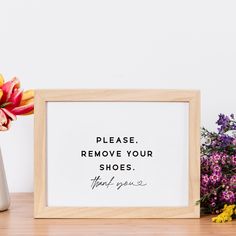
{"x": 4, "y": 193}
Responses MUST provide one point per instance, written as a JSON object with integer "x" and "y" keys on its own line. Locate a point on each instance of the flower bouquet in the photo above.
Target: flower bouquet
{"x": 218, "y": 169}
{"x": 13, "y": 102}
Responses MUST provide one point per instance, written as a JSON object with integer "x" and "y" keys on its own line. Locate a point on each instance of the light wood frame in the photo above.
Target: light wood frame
{"x": 41, "y": 210}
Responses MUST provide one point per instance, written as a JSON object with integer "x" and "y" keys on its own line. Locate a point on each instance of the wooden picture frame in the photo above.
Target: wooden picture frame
{"x": 42, "y": 97}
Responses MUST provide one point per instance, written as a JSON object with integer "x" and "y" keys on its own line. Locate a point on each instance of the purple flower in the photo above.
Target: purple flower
{"x": 232, "y": 181}
{"x": 216, "y": 168}
{"x": 224, "y": 180}
{"x": 225, "y": 140}
{"x": 204, "y": 159}
{"x": 215, "y": 158}
{"x": 223, "y": 122}
{"x": 215, "y": 178}
{"x": 204, "y": 180}
{"x": 233, "y": 160}
{"x": 224, "y": 159}
{"x": 213, "y": 204}
{"x": 228, "y": 196}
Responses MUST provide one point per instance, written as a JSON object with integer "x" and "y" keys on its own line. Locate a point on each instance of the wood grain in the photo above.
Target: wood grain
{"x": 19, "y": 221}
{"x": 41, "y": 210}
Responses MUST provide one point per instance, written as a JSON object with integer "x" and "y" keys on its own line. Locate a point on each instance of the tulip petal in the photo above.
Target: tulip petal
{"x": 23, "y": 109}
{"x": 15, "y": 98}
{"x": 25, "y": 102}
{"x": 29, "y": 113}
{"x": 29, "y": 94}
{"x": 10, "y": 114}
{"x": 3, "y": 128}
{"x": 3, "y": 118}
{"x": 8, "y": 88}
{"x": 8, "y": 125}
{"x": 1, "y": 93}
{"x": 1, "y": 80}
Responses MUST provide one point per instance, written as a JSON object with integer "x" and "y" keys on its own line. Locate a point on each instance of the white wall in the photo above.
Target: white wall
{"x": 115, "y": 44}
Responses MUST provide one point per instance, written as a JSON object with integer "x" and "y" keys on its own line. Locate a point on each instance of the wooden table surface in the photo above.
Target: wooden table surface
{"x": 19, "y": 221}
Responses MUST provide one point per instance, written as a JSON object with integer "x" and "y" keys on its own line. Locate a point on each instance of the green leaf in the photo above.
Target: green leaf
{"x": 5, "y": 104}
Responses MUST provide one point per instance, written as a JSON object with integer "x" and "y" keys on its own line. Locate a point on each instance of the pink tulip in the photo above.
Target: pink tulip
{"x": 9, "y": 89}
{"x": 13, "y": 102}
{"x": 26, "y": 106}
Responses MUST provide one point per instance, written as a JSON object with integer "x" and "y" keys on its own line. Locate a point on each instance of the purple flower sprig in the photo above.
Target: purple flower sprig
{"x": 226, "y": 123}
